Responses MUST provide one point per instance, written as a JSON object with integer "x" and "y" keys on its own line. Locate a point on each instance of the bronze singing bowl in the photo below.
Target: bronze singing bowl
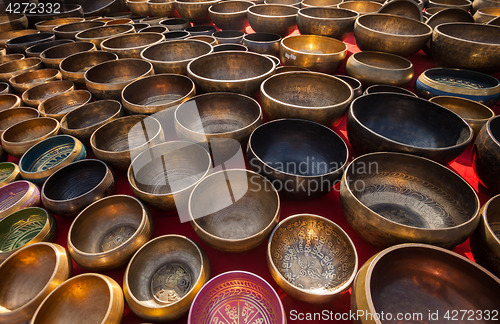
{"x": 263, "y": 43}
{"x": 6, "y": 35}
{"x": 164, "y": 276}
{"x": 28, "y": 276}
{"x": 311, "y": 258}
{"x": 86, "y": 298}
{"x": 458, "y": 4}
{"x": 176, "y": 35}
{"x": 203, "y": 38}
{"x": 10, "y": 57}
{"x": 230, "y": 47}
{"x": 33, "y": 97}
{"x": 4, "y": 88}
{"x": 12, "y": 68}
{"x": 393, "y": 198}
{"x": 69, "y": 31}
{"x": 325, "y": 21}
{"x": 320, "y": 3}
{"x": 449, "y": 15}
{"x": 424, "y": 280}
{"x": 107, "y": 80}
{"x": 379, "y": 68}
{"x": 60, "y": 105}
{"x": 234, "y": 210}
{"x": 355, "y": 84}
{"x": 175, "y": 23}
{"x": 161, "y": 8}
{"x": 8, "y": 101}
{"x": 120, "y": 140}
{"x": 21, "y": 43}
{"x": 18, "y": 138}
{"x": 108, "y": 232}
{"x": 13, "y": 116}
{"x": 140, "y": 26}
{"x": 484, "y": 15}
{"x": 73, "y": 67}
{"x": 478, "y": 4}
{"x": 467, "y": 45}
{"x": 362, "y": 7}
{"x": 229, "y": 36}
{"x": 49, "y": 25}
{"x": 305, "y": 95}
{"x": 12, "y": 22}
{"x": 98, "y": 34}
{"x": 165, "y": 174}
{"x": 27, "y": 80}
{"x": 195, "y": 10}
{"x": 120, "y": 21}
{"x": 155, "y": 29}
{"x": 240, "y": 72}
{"x": 404, "y": 8}
{"x": 278, "y": 19}
{"x": 156, "y": 93}
{"x": 199, "y": 30}
{"x": 51, "y": 57}
{"x": 231, "y": 15}
{"x": 486, "y": 158}
{"x": 376, "y": 88}
{"x": 174, "y": 56}
{"x": 36, "y": 50}
{"x": 131, "y": 45}
{"x": 138, "y": 8}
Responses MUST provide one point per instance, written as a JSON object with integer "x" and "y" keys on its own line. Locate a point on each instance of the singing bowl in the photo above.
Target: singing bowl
{"x": 478, "y": 4}
{"x": 325, "y": 21}
{"x": 465, "y": 5}
{"x": 140, "y": 26}
{"x": 231, "y": 15}
{"x": 485, "y": 15}
{"x": 138, "y": 8}
{"x": 362, "y": 7}
{"x": 263, "y": 43}
{"x": 320, "y": 3}
{"x": 174, "y": 56}
{"x": 24, "y": 227}
{"x": 9, "y": 101}
{"x": 203, "y": 38}
{"x": 161, "y": 8}
{"x": 53, "y": 56}
{"x": 238, "y": 291}
{"x": 4, "y": 88}
{"x": 18, "y": 138}
{"x": 230, "y": 48}
{"x": 69, "y": 31}
{"x": 7, "y": 35}
{"x": 156, "y": 93}
{"x": 13, "y": 22}
{"x": 29, "y": 79}
{"x": 196, "y": 11}
{"x": 18, "y": 195}
{"x": 131, "y": 45}
{"x": 12, "y": 68}
{"x": 486, "y": 157}
{"x": 300, "y": 164}
{"x": 175, "y": 23}
{"x": 305, "y": 95}
{"x": 120, "y": 21}
{"x": 49, "y": 25}
{"x": 84, "y": 120}
{"x": 379, "y": 68}
{"x": 59, "y": 105}
{"x": 103, "y": 7}
{"x": 449, "y": 15}
{"x": 494, "y": 22}
{"x": 103, "y": 302}
{"x": 467, "y": 45}
{"x": 65, "y": 10}
{"x": 240, "y": 72}
{"x": 355, "y": 84}
{"x": 155, "y": 29}
{"x": 9, "y": 172}
{"x": 21, "y": 43}
{"x": 28, "y": 276}
{"x": 199, "y": 30}
{"x": 429, "y": 12}
{"x": 98, "y": 34}
{"x": 164, "y": 276}
{"x": 401, "y": 198}
{"x": 278, "y": 19}
{"x": 36, "y": 50}
{"x": 405, "y": 8}
{"x": 33, "y": 97}
{"x": 397, "y": 280}
{"x": 11, "y": 57}
{"x": 229, "y": 36}
{"x": 50, "y": 155}
{"x": 376, "y": 88}
{"x": 166, "y": 185}
{"x": 295, "y": 3}
{"x": 176, "y": 35}
{"x": 107, "y": 80}
{"x": 73, "y": 67}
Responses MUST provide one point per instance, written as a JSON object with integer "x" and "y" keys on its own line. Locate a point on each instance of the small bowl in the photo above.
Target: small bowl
{"x": 69, "y": 31}
{"x": 108, "y": 232}
{"x": 417, "y": 200}
{"x": 484, "y": 15}
{"x": 107, "y": 80}
{"x": 240, "y": 72}
{"x": 478, "y": 4}
{"x": 12, "y": 22}
{"x": 195, "y": 10}
{"x": 7, "y": 35}
{"x": 403, "y": 8}
{"x": 33, "y": 97}
{"x": 120, "y": 21}
{"x": 175, "y": 23}
{"x": 310, "y": 233}
{"x": 210, "y": 40}
{"x": 325, "y": 21}
{"x": 18, "y": 195}
{"x": 465, "y": 5}
{"x": 320, "y": 3}
{"x": 355, "y": 84}
{"x": 140, "y": 26}
{"x": 75, "y": 186}
{"x": 174, "y": 56}
{"x": 412, "y": 125}
{"x": 9, "y": 101}
{"x": 103, "y": 296}
{"x": 176, "y": 35}
{"x": 362, "y": 7}
{"x": 229, "y": 36}
{"x": 315, "y": 53}
{"x": 18, "y": 138}
{"x": 51, "y": 57}
{"x": 155, "y": 29}
{"x": 73, "y": 67}
{"x": 50, "y": 155}
{"x": 131, "y": 45}
{"x": 98, "y": 34}
{"x": 28, "y": 276}
{"x": 21, "y": 43}
{"x": 379, "y": 68}
{"x": 230, "y": 48}
{"x": 278, "y": 19}
{"x": 164, "y": 276}
{"x": 156, "y": 93}
{"x": 305, "y": 95}
{"x": 13, "y": 116}
{"x": 233, "y": 288}
{"x": 230, "y": 15}
{"x": 11, "y": 57}
{"x": 138, "y": 8}
{"x": 376, "y": 88}
{"x": 49, "y": 25}
{"x": 59, "y": 105}
{"x": 27, "y": 80}
{"x": 486, "y": 157}
{"x": 263, "y": 43}
{"x": 9, "y": 172}
{"x": 161, "y": 8}
{"x": 13, "y": 68}
{"x": 36, "y": 50}
{"x": 200, "y": 30}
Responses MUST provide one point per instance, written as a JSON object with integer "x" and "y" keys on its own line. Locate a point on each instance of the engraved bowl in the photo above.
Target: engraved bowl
{"x": 9, "y": 172}
{"x": 486, "y": 157}
{"x": 325, "y": 21}
{"x": 355, "y": 84}
{"x": 98, "y": 34}
{"x": 73, "y": 67}
{"x": 34, "y": 96}
{"x": 362, "y": 7}
{"x": 21, "y": 43}
{"x": 61, "y": 104}
{"x": 53, "y": 56}
{"x": 9, "y": 101}
{"x": 49, "y": 25}
{"x": 138, "y": 8}
{"x": 376, "y": 88}
{"x": 195, "y": 10}
{"x": 162, "y": 8}
{"x": 175, "y": 23}
{"x": 12, "y": 68}
{"x": 405, "y": 8}
{"x": 231, "y": 15}
{"x": 320, "y": 3}
{"x": 131, "y": 45}
{"x": 274, "y": 18}
{"x": 18, "y": 195}
{"x": 36, "y": 50}
{"x": 29, "y": 79}
{"x": 10, "y": 57}
{"x": 263, "y": 43}
{"x": 69, "y": 31}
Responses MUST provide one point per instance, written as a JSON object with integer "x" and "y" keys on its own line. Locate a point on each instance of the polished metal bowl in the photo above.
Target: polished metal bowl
{"x": 29, "y": 79}
{"x": 199, "y": 30}
{"x": 49, "y": 25}
{"x": 131, "y": 45}
{"x": 362, "y": 7}
{"x": 18, "y": 195}
{"x": 59, "y": 105}
{"x": 9, "y": 172}
{"x": 195, "y": 10}
{"x": 161, "y": 8}
{"x": 98, "y": 34}
{"x": 484, "y": 15}
{"x": 9, "y": 101}
{"x": 263, "y": 43}
{"x": 33, "y": 97}
{"x": 203, "y": 38}
{"x": 278, "y": 19}
{"x": 10, "y": 57}
{"x": 320, "y": 3}
{"x": 21, "y": 43}
{"x": 138, "y": 8}
{"x": 355, "y": 84}
{"x": 36, "y": 50}
{"x": 230, "y": 15}
{"x": 69, "y": 31}
{"x": 12, "y": 68}
{"x": 175, "y": 23}
{"x": 229, "y": 36}
{"x": 53, "y": 56}
{"x": 486, "y": 158}
{"x": 465, "y": 5}
{"x": 404, "y": 8}
{"x": 376, "y": 88}
{"x": 7, "y": 35}
{"x": 326, "y": 21}
{"x": 73, "y": 67}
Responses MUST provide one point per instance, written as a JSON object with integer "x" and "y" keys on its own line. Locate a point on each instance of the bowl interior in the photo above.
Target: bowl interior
{"x": 36, "y": 50}
{"x": 8, "y": 101}
{"x": 314, "y": 45}
{"x": 467, "y": 109}
{"x": 394, "y": 25}
{"x": 262, "y": 38}
{"x": 81, "y": 62}
{"x": 132, "y": 40}
{"x": 320, "y": 3}
{"x": 43, "y": 155}
{"x": 383, "y": 60}
{"x": 65, "y": 102}
{"x": 91, "y": 114}
{"x": 158, "y": 90}
{"x": 476, "y": 33}
{"x": 30, "y": 129}
{"x": 118, "y": 71}
{"x": 459, "y": 78}
{"x": 64, "y": 50}
{"x": 387, "y": 88}
{"x": 175, "y": 51}
{"x": 19, "y": 228}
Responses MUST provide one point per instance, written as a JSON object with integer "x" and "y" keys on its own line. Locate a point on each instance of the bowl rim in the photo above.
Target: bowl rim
{"x": 484, "y": 215}
{"x": 120, "y": 61}
{"x": 386, "y": 16}
{"x": 250, "y": 11}
{"x": 56, "y": 29}
{"x": 437, "y": 30}
{"x": 317, "y": 37}
{"x": 31, "y": 62}
{"x": 476, "y": 103}
{"x": 52, "y": 73}
{"x": 392, "y": 58}
{"x": 86, "y": 96}
{"x": 63, "y": 121}
{"x": 173, "y": 42}
{"x": 78, "y": 36}
{"x": 40, "y": 36}
{"x": 54, "y": 130}
{"x": 105, "y": 47}
{"x": 83, "y": 54}
{"x": 12, "y": 176}
{"x": 81, "y": 46}
{"x": 342, "y": 4}
{"x": 50, "y": 22}
{"x": 234, "y": 13}
{"x": 332, "y": 9}
{"x": 488, "y": 129}
{"x": 27, "y": 99}
{"x": 441, "y": 4}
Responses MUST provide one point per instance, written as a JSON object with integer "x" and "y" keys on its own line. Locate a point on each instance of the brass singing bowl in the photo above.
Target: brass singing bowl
{"x": 13, "y": 22}
{"x": 393, "y": 34}
{"x": 156, "y": 93}
{"x": 73, "y": 67}
{"x": 53, "y": 56}
{"x": 305, "y": 95}
{"x": 164, "y": 276}
{"x": 278, "y": 19}
{"x": 69, "y": 31}
{"x": 131, "y": 45}
{"x": 9, "y": 172}
{"x": 379, "y": 68}
{"x": 467, "y": 45}
{"x": 4, "y": 88}
{"x": 397, "y": 280}
{"x": 231, "y": 15}
{"x": 199, "y": 30}
{"x": 6, "y": 35}
{"x": 165, "y": 174}
{"x": 229, "y": 36}
{"x": 330, "y": 270}
{"x": 8, "y": 101}
{"x": 176, "y": 35}
{"x": 230, "y": 47}
{"x": 320, "y": 3}
{"x": 195, "y": 10}
{"x": 465, "y": 5}
{"x": 138, "y": 8}
{"x": 18, "y": 138}
{"x": 404, "y": 8}
{"x": 175, "y": 23}
{"x": 33, "y": 97}
{"x": 263, "y": 43}
{"x": 161, "y": 8}
{"x": 376, "y": 88}
{"x": 240, "y": 72}
{"x": 484, "y": 15}
{"x": 402, "y": 198}
{"x": 29, "y": 79}
{"x": 355, "y": 84}
{"x": 36, "y": 50}
{"x": 12, "y": 68}
{"x": 13, "y": 116}
{"x": 486, "y": 157}
{"x": 155, "y": 29}
{"x": 28, "y": 276}
{"x": 120, "y": 21}
{"x": 21, "y": 43}
{"x": 331, "y": 22}
{"x": 49, "y": 25}
{"x": 98, "y": 34}
{"x": 11, "y": 57}
{"x": 478, "y": 4}
{"x": 102, "y": 296}
{"x": 362, "y": 7}
{"x": 59, "y": 105}
{"x": 210, "y": 40}
{"x": 140, "y": 26}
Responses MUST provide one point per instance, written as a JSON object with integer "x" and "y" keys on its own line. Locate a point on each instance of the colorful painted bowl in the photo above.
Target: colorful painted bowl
{"x": 18, "y": 195}
{"x": 9, "y": 172}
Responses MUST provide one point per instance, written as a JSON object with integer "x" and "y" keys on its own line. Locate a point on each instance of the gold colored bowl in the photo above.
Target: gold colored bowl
{"x": 13, "y": 68}
{"x": 138, "y": 8}
{"x": 98, "y": 34}
{"x": 18, "y": 195}
{"x": 36, "y": 50}
{"x": 320, "y": 3}
{"x": 13, "y": 116}
{"x": 27, "y": 80}
{"x": 465, "y": 5}
{"x": 263, "y": 43}
{"x": 203, "y": 38}
{"x": 362, "y": 7}
{"x": 28, "y": 276}
{"x": 161, "y": 8}
{"x": 131, "y": 45}
{"x": 51, "y": 57}
{"x": 86, "y": 298}
{"x": 164, "y": 276}
{"x": 484, "y": 15}
{"x": 33, "y": 97}
{"x": 175, "y": 23}
{"x": 49, "y": 25}
{"x": 278, "y": 19}
{"x": 21, "y": 43}
{"x": 13, "y": 22}
{"x": 330, "y": 269}
{"x": 69, "y": 31}
{"x": 8, "y": 101}
{"x": 73, "y": 67}
{"x": 195, "y": 10}
{"x": 9, "y": 172}
{"x": 330, "y": 22}
{"x": 60, "y": 105}
{"x": 231, "y": 15}
{"x": 11, "y": 57}
{"x": 120, "y": 21}
{"x": 6, "y": 35}
{"x": 403, "y": 8}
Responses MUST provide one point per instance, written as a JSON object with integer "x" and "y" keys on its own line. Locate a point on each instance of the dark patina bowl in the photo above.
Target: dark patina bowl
{"x": 362, "y": 7}
{"x": 176, "y": 35}
{"x": 27, "y": 80}
{"x": 229, "y": 36}
{"x": 7, "y": 35}
{"x": 73, "y": 67}
{"x": 48, "y": 25}
{"x": 33, "y": 97}
{"x": 376, "y": 88}
{"x": 325, "y": 21}
{"x": 69, "y": 31}
{"x": 263, "y": 43}
{"x": 203, "y": 38}
{"x": 230, "y": 48}
{"x": 13, "y": 22}
{"x": 131, "y": 45}
{"x": 275, "y": 18}
{"x": 51, "y": 57}
{"x": 18, "y": 195}
{"x": 161, "y": 8}
{"x": 486, "y": 158}
{"x": 200, "y": 30}
{"x": 230, "y": 15}
{"x": 21, "y": 43}
{"x": 355, "y": 84}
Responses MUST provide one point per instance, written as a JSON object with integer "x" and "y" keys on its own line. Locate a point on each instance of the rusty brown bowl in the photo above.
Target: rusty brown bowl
{"x": 330, "y": 22}
{"x": 278, "y": 19}
{"x": 8, "y": 101}
{"x": 13, "y": 116}
{"x": 175, "y": 23}
{"x": 49, "y": 25}
{"x": 28, "y": 80}
{"x": 73, "y": 67}
{"x": 161, "y": 8}
{"x": 231, "y": 15}
{"x": 10, "y": 57}
{"x": 98, "y": 34}
{"x": 18, "y": 195}
{"x": 320, "y": 3}
{"x": 203, "y": 38}
{"x": 12, "y": 21}
{"x": 34, "y": 96}
{"x": 362, "y": 7}
{"x": 465, "y": 5}
{"x": 36, "y": 50}
{"x": 484, "y": 15}
{"x": 263, "y": 43}
{"x": 69, "y": 31}
{"x": 486, "y": 157}
{"x": 131, "y": 45}
{"x": 6, "y": 35}
{"x": 13, "y": 68}
{"x": 51, "y": 57}
{"x": 60, "y": 105}
{"x": 21, "y": 43}
{"x": 138, "y": 8}
{"x": 376, "y": 88}
{"x": 403, "y": 8}
{"x": 195, "y": 10}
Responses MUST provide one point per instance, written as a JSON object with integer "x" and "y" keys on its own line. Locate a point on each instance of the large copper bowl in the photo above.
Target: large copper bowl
{"x": 131, "y": 45}
{"x": 49, "y": 25}
{"x": 33, "y": 97}
{"x": 73, "y": 67}
{"x": 13, "y": 116}
{"x": 21, "y": 43}
{"x": 325, "y": 21}
{"x": 263, "y": 43}
{"x": 12, "y": 68}
{"x": 362, "y": 7}
{"x": 69, "y": 31}
{"x": 53, "y": 56}
{"x": 59, "y": 105}
{"x": 276, "y": 18}
{"x": 162, "y": 8}
{"x": 18, "y": 195}
{"x": 9, "y": 101}
{"x": 98, "y": 34}
{"x": 195, "y": 10}
{"x": 231, "y": 15}
{"x": 29, "y": 79}
{"x": 486, "y": 158}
